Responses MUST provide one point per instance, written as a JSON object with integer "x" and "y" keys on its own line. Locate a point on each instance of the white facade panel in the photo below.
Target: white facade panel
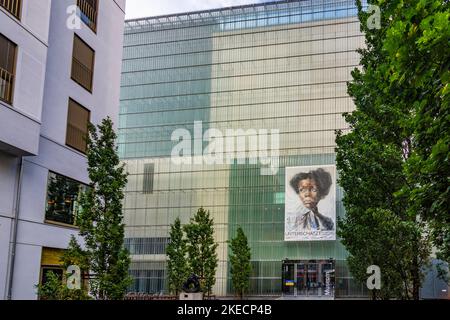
{"x": 35, "y": 124}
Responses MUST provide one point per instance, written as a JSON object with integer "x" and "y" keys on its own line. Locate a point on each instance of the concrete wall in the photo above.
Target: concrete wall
{"x": 42, "y": 92}
{"x": 8, "y": 170}
{"x": 107, "y": 44}
{"x": 20, "y": 121}
{"x": 30, "y": 34}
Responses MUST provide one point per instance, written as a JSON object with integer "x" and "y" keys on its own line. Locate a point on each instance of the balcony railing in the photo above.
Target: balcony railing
{"x": 88, "y": 13}
{"x": 76, "y": 138}
{"x": 12, "y": 6}
{"x": 6, "y": 86}
{"x": 81, "y": 74}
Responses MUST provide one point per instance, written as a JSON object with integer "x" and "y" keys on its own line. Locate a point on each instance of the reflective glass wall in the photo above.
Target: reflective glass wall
{"x": 281, "y": 65}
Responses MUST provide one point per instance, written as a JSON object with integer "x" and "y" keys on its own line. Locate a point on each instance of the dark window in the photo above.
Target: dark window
{"x": 147, "y": 281}
{"x": 63, "y": 195}
{"x": 55, "y": 270}
{"x": 12, "y": 6}
{"x": 82, "y": 63}
{"x": 149, "y": 174}
{"x": 7, "y": 68}
{"x": 146, "y": 245}
{"x": 77, "y": 126}
{"x": 88, "y": 12}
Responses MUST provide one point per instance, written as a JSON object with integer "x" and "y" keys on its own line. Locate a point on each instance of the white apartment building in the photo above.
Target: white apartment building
{"x": 60, "y": 65}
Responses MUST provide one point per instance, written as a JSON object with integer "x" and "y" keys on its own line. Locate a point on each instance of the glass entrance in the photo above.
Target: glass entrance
{"x": 314, "y": 278}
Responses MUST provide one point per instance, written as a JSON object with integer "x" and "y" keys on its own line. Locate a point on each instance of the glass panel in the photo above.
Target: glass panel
{"x": 288, "y": 279}
{"x": 256, "y": 67}
{"x": 149, "y": 176}
{"x": 63, "y": 196}
{"x": 46, "y": 270}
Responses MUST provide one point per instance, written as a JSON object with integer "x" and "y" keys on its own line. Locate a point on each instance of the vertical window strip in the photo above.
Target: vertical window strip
{"x": 7, "y": 68}
{"x": 77, "y": 126}
{"x": 149, "y": 175}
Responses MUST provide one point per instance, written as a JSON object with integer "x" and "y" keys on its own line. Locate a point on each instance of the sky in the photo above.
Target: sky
{"x": 148, "y": 8}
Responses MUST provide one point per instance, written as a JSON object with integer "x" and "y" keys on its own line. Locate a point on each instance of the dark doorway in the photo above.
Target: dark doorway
{"x": 314, "y": 278}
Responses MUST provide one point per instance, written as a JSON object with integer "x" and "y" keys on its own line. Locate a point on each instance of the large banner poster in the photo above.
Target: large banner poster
{"x": 310, "y": 211}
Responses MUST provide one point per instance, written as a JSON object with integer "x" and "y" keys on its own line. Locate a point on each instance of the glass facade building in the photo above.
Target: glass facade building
{"x": 276, "y": 66}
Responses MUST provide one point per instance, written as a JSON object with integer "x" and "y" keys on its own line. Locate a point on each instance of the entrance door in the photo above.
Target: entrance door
{"x": 301, "y": 272}
{"x": 288, "y": 279}
{"x": 314, "y": 278}
{"x": 313, "y": 282}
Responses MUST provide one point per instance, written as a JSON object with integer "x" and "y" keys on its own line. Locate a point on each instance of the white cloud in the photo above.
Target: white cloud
{"x": 148, "y": 8}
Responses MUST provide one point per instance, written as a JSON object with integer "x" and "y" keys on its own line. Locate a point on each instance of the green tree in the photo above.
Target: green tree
{"x": 177, "y": 267}
{"x": 241, "y": 267}
{"x": 378, "y": 161}
{"x": 417, "y": 72}
{"x": 100, "y": 217}
{"x": 201, "y": 249}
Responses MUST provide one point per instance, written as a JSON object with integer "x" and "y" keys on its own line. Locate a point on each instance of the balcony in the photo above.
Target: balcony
{"x": 88, "y": 12}
{"x": 76, "y": 138}
{"x": 6, "y": 85}
{"x": 81, "y": 74}
{"x": 12, "y": 6}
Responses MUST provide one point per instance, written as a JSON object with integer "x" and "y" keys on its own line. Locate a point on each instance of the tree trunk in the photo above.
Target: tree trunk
{"x": 415, "y": 272}
{"x": 374, "y": 295}
{"x": 416, "y": 280}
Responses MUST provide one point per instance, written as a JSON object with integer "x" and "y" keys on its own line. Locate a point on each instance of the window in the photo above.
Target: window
{"x": 88, "y": 12}
{"x": 77, "y": 126}
{"x": 7, "y": 68}
{"x": 46, "y": 270}
{"x": 82, "y": 63}
{"x": 52, "y": 261}
{"x": 149, "y": 173}
{"x": 146, "y": 245}
{"x": 63, "y": 195}
{"x": 12, "y": 6}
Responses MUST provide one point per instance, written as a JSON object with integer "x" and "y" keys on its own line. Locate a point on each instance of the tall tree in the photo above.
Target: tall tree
{"x": 241, "y": 267}
{"x": 378, "y": 161}
{"x": 100, "y": 218}
{"x": 417, "y": 44}
{"x": 201, "y": 248}
{"x": 177, "y": 267}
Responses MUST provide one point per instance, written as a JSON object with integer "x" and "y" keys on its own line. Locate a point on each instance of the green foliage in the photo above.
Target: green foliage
{"x": 394, "y": 164}
{"x": 241, "y": 267}
{"x": 380, "y": 237}
{"x": 74, "y": 255}
{"x": 52, "y": 289}
{"x": 177, "y": 268}
{"x": 100, "y": 217}
{"x": 201, "y": 249}
{"x": 56, "y": 289}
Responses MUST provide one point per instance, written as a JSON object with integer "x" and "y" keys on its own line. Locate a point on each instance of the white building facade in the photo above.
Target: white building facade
{"x": 60, "y": 64}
